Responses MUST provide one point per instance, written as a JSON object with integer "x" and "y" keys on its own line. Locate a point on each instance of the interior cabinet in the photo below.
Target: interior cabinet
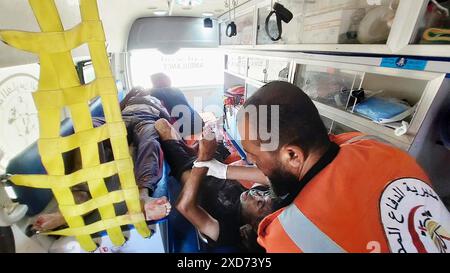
{"x": 387, "y": 102}
{"x": 395, "y": 27}
{"x": 332, "y": 87}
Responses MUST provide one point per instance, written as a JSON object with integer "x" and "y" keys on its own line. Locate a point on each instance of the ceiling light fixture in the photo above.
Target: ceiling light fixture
{"x": 208, "y": 14}
{"x": 160, "y": 12}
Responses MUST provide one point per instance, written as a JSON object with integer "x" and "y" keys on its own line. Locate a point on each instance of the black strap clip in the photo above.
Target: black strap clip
{"x": 231, "y": 29}
{"x": 281, "y": 14}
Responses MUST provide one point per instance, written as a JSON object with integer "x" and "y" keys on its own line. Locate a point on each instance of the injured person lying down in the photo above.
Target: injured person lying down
{"x": 224, "y": 212}
{"x": 139, "y": 115}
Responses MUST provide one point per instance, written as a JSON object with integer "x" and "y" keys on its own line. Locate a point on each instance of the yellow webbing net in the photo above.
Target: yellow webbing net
{"x": 59, "y": 87}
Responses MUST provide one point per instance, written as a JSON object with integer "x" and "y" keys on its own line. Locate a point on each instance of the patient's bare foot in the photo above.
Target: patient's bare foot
{"x": 156, "y": 208}
{"x": 46, "y": 222}
{"x": 166, "y": 130}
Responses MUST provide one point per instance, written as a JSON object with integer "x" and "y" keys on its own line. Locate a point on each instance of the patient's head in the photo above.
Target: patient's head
{"x": 160, "y": 80}
{"x": 256, "y": 204}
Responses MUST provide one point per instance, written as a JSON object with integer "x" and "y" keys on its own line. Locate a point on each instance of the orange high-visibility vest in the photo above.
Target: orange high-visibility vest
{"x": 349, "y": 206}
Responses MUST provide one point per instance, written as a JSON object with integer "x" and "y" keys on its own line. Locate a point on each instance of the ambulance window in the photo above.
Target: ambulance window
{"x": 187, "y": 68}
{"x": 85, "y": 71}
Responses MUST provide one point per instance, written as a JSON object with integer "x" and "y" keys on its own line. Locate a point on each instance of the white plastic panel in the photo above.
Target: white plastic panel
{"x": 257, "y": 68}
{"x": 278, "y": 70}
{"x": 237, "y": 64}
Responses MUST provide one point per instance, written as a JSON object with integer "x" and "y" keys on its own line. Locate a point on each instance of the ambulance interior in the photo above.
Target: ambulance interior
{"x": 346, "y": 55}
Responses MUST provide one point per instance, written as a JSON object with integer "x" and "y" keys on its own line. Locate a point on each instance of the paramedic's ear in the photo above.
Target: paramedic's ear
{"x": 292, "y": 156}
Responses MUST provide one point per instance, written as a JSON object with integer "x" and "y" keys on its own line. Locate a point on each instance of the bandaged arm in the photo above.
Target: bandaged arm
{"x": 223, "y": 171}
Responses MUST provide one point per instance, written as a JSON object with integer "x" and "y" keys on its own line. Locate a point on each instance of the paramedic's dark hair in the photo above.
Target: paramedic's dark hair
{"x": 300, "y": 123}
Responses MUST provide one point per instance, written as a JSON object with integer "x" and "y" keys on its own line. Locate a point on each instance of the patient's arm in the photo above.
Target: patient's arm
{"x": 233, "y": 172}
{"x": 187, "y": 203}
{"x": 249, "y": 173}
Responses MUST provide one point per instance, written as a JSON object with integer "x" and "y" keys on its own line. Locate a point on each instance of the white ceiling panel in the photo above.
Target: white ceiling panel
{"x": 117, "y": 17}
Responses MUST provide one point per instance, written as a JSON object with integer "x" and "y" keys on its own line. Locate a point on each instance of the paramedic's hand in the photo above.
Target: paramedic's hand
{"x": 215, "y": 168}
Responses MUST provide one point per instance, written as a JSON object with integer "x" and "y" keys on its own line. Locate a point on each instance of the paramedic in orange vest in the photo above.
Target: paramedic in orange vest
{"x": 344, "y": 193}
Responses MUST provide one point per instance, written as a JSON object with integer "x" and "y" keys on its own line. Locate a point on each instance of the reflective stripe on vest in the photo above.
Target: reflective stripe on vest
{"x": 307, "y": 236}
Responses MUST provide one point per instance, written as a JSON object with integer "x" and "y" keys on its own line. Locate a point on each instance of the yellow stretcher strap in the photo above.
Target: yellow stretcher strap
{"x": 69, "y": 143}
{"x": 74, "y": 95}
{"x": 66, "y": 181}
{"x": 59, "y": 87}
{"x": 86, "y": 207}
{"x": 54, "y": 42}
{"x": 99, "y": 226}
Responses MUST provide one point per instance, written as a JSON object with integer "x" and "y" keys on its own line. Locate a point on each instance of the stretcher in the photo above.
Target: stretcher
{"x": 179, "y": 235}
